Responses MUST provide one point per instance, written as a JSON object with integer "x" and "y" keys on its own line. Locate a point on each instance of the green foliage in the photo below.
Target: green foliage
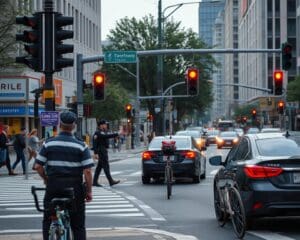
{"x": 133, "y": 34}
{"x": 113, "y": 107}
{"x": 243, "y": 111}
{"x": 7, "y": 34}
{"x": 293, "y": 90}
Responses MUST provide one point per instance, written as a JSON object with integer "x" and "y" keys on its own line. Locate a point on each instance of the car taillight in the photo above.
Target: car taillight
{"x": 190, "y": 154}
{"x": 255, "y": 171}
{"x": 147, "y": 155}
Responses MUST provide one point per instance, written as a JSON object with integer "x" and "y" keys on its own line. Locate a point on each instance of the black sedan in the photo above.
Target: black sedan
{"x": 188, "y": 161}
{"x": 227, "y": 139}
{"x": 265, "y": 169}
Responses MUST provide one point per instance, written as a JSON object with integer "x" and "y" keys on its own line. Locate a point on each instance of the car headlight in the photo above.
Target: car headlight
{"x": 235, "y": 140}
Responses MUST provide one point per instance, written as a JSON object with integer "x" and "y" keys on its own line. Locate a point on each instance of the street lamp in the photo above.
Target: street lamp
{"x": 161, "y": 21}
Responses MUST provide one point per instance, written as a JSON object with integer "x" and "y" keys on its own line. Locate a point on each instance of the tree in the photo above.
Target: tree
{"x": 133, "y": 34}
{"x": 7, "y": 34}
{"x": 293, "y": 90}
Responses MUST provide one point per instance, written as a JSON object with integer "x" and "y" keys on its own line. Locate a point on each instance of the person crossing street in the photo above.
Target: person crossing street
{"x": 101, "y": 143}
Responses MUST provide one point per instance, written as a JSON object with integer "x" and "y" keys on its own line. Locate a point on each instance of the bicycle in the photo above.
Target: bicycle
{"x": 168, "y": 149}
{"x": 60, "y": 228}
{"x": 228, "y": 204}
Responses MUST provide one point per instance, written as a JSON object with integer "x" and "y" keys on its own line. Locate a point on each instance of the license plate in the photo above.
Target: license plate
{"x": 228, "y": 142}
{"x": 165, "y": 158}
{"x": 296, "y": 177}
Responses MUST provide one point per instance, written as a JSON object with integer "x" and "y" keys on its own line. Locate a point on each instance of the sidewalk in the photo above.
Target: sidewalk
{"x": 109, "y": 234}
{"x": 113, "y": 156}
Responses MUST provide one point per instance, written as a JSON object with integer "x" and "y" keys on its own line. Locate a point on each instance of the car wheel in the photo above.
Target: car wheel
{"x": 145, "y": 180}
{"x": 196, "y": 178}
{"x": 219, "y": 147}
{"x": 203, "y": 175}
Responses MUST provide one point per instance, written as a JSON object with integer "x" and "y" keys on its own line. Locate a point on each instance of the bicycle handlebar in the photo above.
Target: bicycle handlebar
{"x": 33, "y": 191}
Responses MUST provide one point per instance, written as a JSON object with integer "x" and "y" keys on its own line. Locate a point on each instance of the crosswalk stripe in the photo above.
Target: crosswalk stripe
{"x": 16, "y": 200}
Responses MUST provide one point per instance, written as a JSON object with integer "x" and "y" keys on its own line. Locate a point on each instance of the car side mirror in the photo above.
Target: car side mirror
{"x": 216, "y": 160}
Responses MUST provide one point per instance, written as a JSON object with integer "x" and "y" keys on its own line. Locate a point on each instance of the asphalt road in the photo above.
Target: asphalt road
{"x": 189, "y": 214}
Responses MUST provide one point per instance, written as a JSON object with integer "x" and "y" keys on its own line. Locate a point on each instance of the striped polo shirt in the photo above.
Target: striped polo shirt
{"x": 64, "y": 156}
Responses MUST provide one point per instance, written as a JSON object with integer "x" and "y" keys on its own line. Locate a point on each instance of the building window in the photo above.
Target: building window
{"x": 76, "y": 25}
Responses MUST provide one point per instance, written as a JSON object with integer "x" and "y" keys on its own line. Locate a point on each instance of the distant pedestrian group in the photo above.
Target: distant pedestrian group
{"x": 18, "y": 142}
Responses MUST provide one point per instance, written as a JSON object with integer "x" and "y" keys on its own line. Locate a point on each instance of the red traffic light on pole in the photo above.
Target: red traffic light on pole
{"x": 278, "y": 82}
{"x": 286, "y": 54}
{"x": 253, "y": 112}
{"x": 99, "y": 86}
{"x": 128, "y": 109}
{"x": 59, "y": 35}
{"x": 280, "y": 106}
{"x": 34, "y": 38}
{"x": 192, "y": 77}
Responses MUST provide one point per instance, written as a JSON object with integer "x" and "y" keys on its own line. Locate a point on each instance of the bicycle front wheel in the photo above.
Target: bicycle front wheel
{"x": 168, "y": 177}
{"x": 238, "y": 217}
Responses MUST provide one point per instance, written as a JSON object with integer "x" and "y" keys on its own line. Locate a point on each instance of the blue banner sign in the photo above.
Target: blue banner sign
{"x": 49, "y": 118}
{"x": 17, "y": 111}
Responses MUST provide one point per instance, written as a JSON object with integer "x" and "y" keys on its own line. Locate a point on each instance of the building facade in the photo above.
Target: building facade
{"x": 231, "y": 73}
{"x": 208, "y": 12}
{"x": 86, "y": 40}
{"x": 218, "y": 107}
{"x": 298, "y": 36}
{"x": 266, "y": 25}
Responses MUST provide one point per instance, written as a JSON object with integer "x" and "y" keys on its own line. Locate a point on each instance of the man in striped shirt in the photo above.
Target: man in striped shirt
{"x": 62, "y": 163}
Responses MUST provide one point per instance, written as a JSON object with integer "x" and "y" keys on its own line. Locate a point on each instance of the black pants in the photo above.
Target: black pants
{"x": 7, "y": 162}
{"x": 102, "y": 163}
{"x": 77, "y": 214}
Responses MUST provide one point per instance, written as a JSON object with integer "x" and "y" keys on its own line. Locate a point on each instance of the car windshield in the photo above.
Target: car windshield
{"x": 194, "y": 134}
{"x": 253, "y": 130}
{"x": 228, "y": 134}
{"x": 212, "y": 132}
{"x": 277, "y": 147}
{"x": 180, "y": 142}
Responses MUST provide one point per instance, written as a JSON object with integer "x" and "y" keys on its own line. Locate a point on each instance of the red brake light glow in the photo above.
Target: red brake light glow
{"x": 254, "y": 171}
{"x": 190, "y": 154}
{"x": 147, "y": 155}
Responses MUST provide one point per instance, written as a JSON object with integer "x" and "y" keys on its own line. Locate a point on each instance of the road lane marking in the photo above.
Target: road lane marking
{"x": 269, "y": 235}
{"x": 154, "y": 215}
{"x": 214, "y": 172}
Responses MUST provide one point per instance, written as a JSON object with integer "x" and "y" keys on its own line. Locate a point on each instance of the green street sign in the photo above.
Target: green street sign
{"x": 120, "y": 57}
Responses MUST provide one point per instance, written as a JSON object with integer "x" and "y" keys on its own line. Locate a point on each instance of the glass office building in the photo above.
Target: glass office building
{"x": 208, "y": 12}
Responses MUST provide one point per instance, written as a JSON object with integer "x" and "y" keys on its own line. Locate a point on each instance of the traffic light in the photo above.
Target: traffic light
{"x": 34, "y": 40}
{"x": 244, "y": 119}
{"x": 192, "y": 81}
{"x": 128, "y": 109}
{"x": 59, "y": 48}
{"x": 286, "y": 54}
{"x": 253, "y": 112}
{"x": 280, "y": 106}
{"x": 99, "y": 86}
{"x": 278, "y": 82}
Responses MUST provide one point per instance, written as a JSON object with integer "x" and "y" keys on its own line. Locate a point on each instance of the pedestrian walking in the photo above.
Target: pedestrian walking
{"x": 4, "y": 143}
{"x": 19, "y": 146}
{"x": 101, "y": 143}
{"x": 33, "y": 144}
{"x": 62, "y": 163}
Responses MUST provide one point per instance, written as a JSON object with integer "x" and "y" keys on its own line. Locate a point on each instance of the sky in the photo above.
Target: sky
{"x": 114, "y": 10}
